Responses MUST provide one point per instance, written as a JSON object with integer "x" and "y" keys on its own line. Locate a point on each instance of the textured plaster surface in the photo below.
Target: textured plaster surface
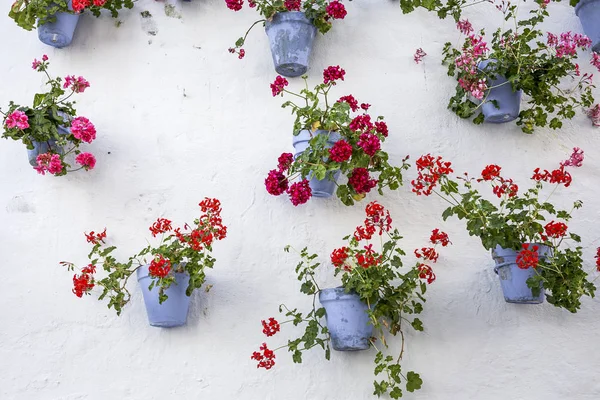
{"x": 179, "y": 118}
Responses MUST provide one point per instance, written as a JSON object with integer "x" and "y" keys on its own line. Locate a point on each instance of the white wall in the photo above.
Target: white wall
{"x": 160, "y": 152}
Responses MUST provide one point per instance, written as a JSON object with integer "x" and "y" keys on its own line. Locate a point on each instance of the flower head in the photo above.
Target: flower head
{"x": 336, "y": 10}
{"x": 490, "y": 172}
{"x": 284, "y": 161}
{"x": 271, "y": 327}
{"x": 419, "y": 54}
{"x": 278, "y": 85}
{"x": 83, "y": 129}
{"x": 78, "y": 85}
{"x": 425, "y": 272}
{"x": 17, "y": 119}
{"x": 339, "y": 257}
{"x": 83, "y": 283}
{"x": 86, "y": 160}
{"x": 576, "y": 158}
{"x": 331, "y": 74}
{"x": 430, "y": 170}
{"x": 48, "y": 162}
{"x": 299, "y": 192}
{"x": 292, "y": 5}
{"x": 555, "y": 229}
{"x": 159, "y": 267}
{"x": 162, "y": 225}
{"x": 341, "y": 151}
{"x": 597, "y": 257}
{"x": 594, "y": 114}
{"x": 352, "y": 102}
{"x": 439, "y": 237}
{"x": 465, "y": 27}
{"x": 528, "y": 258}
{"x": 360, "y": 180}
{"x": 95, "y": 238}
{"x": 80, "y": 5}
{"x": 276, "y": 182}
{"x": 235, "y": 5}
{"x": 265, "y": 358}
{"x": 370, "y": 143}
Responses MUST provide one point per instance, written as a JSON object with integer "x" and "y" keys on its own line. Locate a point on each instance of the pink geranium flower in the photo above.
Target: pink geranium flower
{"x": 17, "y": 119}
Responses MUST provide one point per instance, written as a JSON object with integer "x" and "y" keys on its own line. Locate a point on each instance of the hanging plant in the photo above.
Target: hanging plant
{"x": 51, "y": 129}
{"x": 379, "y": 296}
{"x": 291, "y": 26}
{"x": 176, "y": 267}
{"x": 520, "y": 62}
{"x": 329, "y": 142}
{"x": 56, "y": 20}
{"x": 528, "y": 237}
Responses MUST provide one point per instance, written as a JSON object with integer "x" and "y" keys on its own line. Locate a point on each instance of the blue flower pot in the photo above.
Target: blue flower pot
{"x": 325, "y": 187}
{"x": 44, "y": 147}
{"x": 513, "y": 279}
{"x": 60, "y": 32}
{"x": 508, "y": 101}
{"x": 172, "y": 312}
{"x": 588, "y": 12}
{"x": 291, "y": 35}
{"x": 347, "y": 319}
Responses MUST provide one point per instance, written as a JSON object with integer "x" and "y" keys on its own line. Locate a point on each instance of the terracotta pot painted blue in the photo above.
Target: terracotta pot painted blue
{"x": 44, "y": 147}
{"x": 588, "y": 12}
{"x": 60, "y": 32}
{"x": 173, "y": 312}
{"x": 327, "y": 186}
{"x": 347, "y": 319}
{"x": 514, "y": 279}
{"x": 291, "y": 35}
{"x": 508, "y": 101}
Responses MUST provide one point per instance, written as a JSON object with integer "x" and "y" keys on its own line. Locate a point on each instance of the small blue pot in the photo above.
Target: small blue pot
{"x": 291, "y": 35}
{"x": 172, "y": 312}
{"x": 325, "y": 187}
{"x": 60, "y": 32}
{"x": 44, "y": 147}
{"x": 513, "y": 279}
{"x": 509, "y": 102}
{"x": 588, "y": 12}
{"x": 347, "y": 319}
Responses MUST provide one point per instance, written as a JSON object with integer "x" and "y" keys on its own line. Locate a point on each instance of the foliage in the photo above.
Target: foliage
{"x": 29, "y": 14}
{"x": 393, "y": 294}
{"x": 546, "y": 71}
{"x": 517, "y": 220}
{"x": 177, "y": 252}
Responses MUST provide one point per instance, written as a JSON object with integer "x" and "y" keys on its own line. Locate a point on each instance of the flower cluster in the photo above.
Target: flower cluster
{"x": 332, "y": 74}
{"x": 162, "y": 225}
{"x": 47, "y": 121}
{"x": 430, "y": 170}
{"x": 265, "y": 358}
{"x": 83, "y": 283}
{"x": 96, "y": 238}
{"x": 320, "y": 13}
{"x": 597, "y": 257}
{"x": 527, "y": 258}
{"x": 270, "y": 327}
{"x": 159, "y": 267}
{"x": 419, "y": 55}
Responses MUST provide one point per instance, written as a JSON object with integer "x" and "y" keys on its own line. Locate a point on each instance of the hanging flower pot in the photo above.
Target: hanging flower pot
{"x": 347, "y": 319}
{"x": 291, "y": 33}
{"x": 501, "y": 103}
{"x": 176, "y": 268}
{"x": 319, "y": 187}
{"x": 291, "y": 37}
{"x": 513, "y": 279}
{"x": 59, "y": 33}
{"x": 173, "y": 311}
{"x": 588, "y": 12}
{"x": 56, "y": 20}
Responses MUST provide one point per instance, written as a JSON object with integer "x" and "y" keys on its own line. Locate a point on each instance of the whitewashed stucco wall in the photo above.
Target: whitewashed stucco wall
{"x": 179, "y": 118}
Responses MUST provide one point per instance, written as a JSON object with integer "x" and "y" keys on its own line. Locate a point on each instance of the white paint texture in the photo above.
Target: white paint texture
{"x": 178, "y": 119}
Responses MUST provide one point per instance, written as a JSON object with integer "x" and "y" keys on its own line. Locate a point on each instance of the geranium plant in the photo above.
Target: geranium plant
{"x": 45, "y": 125}
{"x": 180, "y": 250}
{"x": 357, "y": 153}
{"x": 543, "y": 66}
{"x": 522, "y": 221}
{"x": 319, "y": 12}
{"x": 29, "y": 14}
{"x": 393, "y": 295}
